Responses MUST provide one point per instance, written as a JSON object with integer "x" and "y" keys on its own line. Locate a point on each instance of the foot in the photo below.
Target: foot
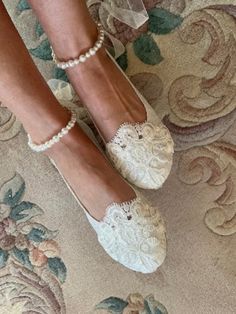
{"x": 142, "y": 149}
{"x": 129, "y": 229}
{"x": 107, "y": 94}
{"x": 95, "y": 182}
{"x": 142, "y": 152}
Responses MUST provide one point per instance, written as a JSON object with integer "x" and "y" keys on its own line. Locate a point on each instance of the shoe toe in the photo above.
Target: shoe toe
{"x": 134, "y": 235}
{"x": 143, "y": 154}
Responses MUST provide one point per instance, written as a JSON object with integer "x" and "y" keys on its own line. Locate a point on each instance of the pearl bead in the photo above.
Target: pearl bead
{"x": 98, "y": 45}
{"x": 56, "y": 138}
{"x": 101, "y": 40}
{"x": 71, "y": 63}
{"x": 92, "y": 51}
{"x": 82, "y": 58}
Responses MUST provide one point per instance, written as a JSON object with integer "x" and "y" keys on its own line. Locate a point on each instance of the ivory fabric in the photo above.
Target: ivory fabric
{"x": 49, "y": 255}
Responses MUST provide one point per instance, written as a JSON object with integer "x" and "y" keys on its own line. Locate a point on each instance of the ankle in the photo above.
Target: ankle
{"x": 48, "y": 125}
{"x": 95, "y": 66}
{"x": 76, "y": 43}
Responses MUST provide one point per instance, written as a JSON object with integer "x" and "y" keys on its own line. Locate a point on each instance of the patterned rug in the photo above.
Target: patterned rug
{"x": 183, "y": 60}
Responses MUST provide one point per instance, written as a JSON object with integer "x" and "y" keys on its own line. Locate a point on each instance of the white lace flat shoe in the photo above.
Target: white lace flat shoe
{"x": 132, "y": 233}
{"x": 141, "y": 152}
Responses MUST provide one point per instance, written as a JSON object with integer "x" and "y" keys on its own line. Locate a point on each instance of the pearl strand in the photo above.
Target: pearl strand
{"x": 56, "y": 138}
{"x": 82, "y": 58}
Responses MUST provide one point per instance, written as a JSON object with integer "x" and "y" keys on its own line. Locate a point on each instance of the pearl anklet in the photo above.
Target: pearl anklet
{"x": 55, "y": 139}
{"x": 82, "y": 58}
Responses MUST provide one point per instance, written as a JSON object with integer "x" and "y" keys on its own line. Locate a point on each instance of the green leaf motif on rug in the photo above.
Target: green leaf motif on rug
{"x": 25, "y": 211}
{"x": 23, "y": 5}
{"x": 147, "y": 309}
{"x": 123, "y": 61}
{"x": 60, "y": 74}
{"x": 162, "y": 21}
{"x": 12, "y": 191}
{"x": 113, "y": 305}
{"x": 12, "y": 199}
{"x": 36, "y": 235}
{"x": 3, "y": 258}
{"x": 43, "y": 51}
{"x": 135, "y": 303}
{"x": 58, "y": 268}
{"x": 39, "y": 30}
{"x": 22, "y": 256}
{"x": 146, "y": 50}
{"x": 40, "y": 233}
{"x": 152, "y": 306}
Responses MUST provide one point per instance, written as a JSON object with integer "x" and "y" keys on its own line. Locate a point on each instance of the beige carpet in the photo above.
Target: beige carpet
{"x": 50, "y": 261}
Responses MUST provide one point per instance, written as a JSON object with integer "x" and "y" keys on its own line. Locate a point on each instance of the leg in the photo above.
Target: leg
{"x": 20, "y": 83}
{"x": 25, "y": 93}
{"x": 100, "y": 85}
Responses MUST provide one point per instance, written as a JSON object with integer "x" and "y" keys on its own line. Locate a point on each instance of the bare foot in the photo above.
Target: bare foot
{"x": 89, "y": 174}
{"x": 106, "y": 93}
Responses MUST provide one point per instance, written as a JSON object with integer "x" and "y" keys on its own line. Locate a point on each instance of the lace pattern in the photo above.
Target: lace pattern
{"x": 133, "y": 234}
{"x": 142, "y": 152}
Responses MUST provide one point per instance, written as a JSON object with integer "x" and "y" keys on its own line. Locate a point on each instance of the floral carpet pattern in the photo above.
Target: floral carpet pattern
{"x": 183, "y": 60}
{"x": 29, "y": 256}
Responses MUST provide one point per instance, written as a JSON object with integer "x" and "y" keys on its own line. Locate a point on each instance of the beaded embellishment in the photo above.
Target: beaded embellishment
{"x": 55, "y": 139}
{"x": 83, "y": 57}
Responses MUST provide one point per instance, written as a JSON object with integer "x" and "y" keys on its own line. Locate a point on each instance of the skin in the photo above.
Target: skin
{"x": 26, "y": 94}
{"x": 100, "y": 85}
